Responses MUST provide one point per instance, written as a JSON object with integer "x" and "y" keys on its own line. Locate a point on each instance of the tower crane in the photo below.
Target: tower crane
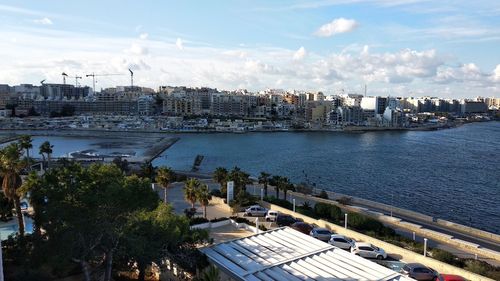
{"x": 94, "y": 75}
{"x": 64, "y": 75}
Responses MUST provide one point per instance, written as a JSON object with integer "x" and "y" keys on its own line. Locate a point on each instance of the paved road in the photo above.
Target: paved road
{"x": 176, "y": 198}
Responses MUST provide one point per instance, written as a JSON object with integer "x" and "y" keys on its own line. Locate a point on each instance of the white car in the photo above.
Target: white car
{"x": 342, "y": 242}
{"x": 255, "y": 211}
{"x": 367, "y": 250}
{"x": 271, "y": 215}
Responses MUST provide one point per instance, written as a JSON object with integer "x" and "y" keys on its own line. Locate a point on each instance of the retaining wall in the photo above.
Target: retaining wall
{"x": 418, "y": 229}
{"x": 395, "y": 251}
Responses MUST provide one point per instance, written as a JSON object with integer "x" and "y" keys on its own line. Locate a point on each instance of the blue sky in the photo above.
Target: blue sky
{"x": 396, "y": 47}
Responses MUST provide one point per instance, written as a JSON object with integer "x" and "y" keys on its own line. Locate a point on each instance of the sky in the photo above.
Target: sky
{"x": 448, "y": 49}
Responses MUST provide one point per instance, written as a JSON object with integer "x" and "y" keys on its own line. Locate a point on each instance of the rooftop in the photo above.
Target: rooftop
{"x": 286, "y": 254}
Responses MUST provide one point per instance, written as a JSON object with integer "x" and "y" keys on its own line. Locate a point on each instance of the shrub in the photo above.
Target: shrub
{"x": 280, "y": 202}
{"x": 262, "y": 227}
{"x": 306, "y": 205}
{"x": 335, "y": 213}
{"x": 198, "y": 220}
{"x": 190, "y": 212}
{"x": 216, "y": 193}
{"x": 364, "y": 223}
{"x": 304, "y": 188}
{"x": 477, "y": 267}
{"x": 446, "y": 257}
{"x": 322, "y": 210}
{"x": 345, "y": 200}
{"x": 219, "y": 219}
{"x": 322, "y": 194}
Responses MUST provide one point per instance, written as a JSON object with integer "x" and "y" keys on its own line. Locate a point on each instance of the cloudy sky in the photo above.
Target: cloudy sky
{"x": 395, "y": 47}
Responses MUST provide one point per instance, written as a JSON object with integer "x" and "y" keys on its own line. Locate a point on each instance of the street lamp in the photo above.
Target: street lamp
{"x": 425, "y": 247}
{"x": 345, "y": 220}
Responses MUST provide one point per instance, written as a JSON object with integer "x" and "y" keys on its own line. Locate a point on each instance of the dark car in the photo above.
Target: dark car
{"x": 302, "y": 227}
{"x": 285, "y": 220}
{"x": 419, "y": 272}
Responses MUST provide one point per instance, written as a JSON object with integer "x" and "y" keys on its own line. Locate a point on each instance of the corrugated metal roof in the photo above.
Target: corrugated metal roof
{"x": 286, "y": 254}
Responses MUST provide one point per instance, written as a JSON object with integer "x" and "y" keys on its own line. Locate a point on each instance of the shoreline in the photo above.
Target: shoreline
{"x": 105, "y": 133}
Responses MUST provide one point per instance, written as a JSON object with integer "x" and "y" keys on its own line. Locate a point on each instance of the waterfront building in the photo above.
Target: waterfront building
{"x": 226, "y": 104}
{"x": 348, "y": 115}
{"x": 63, "y": 91}
{"x": 376, "y": 104}
{"x": 469, "y": 107}
{"x": 181, "y": 105}
{"x": 317, "y": 111}
{"x": 145, "y": 105}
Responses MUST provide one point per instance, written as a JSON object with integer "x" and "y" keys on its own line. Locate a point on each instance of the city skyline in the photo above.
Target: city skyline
{"x": 399, "y": 48}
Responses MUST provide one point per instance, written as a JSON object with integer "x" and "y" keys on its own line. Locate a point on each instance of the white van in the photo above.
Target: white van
{"x": 271, "y": 215}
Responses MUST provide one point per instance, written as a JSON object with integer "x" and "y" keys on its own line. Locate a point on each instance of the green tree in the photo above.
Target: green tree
{"x": 46, "y": 149}
{"x": 240, "y": 179}
{"x": 276, "y": 182}
{"x": 149, "y": 234}
{"x": 164, "y": 176}
{"x": 147, "y": 171}
{"x": 287, "y": 186}
{"x": 221, "y": 175}
{"x": 203, "y": 196}
{"x": 26, "y": 143}
{"x": 10, "y": 170}
{"x": 97, "y": 203}
{"x": 190, "y": 190}
{"x": 264, "y": 180}
{"x": 30, "y": 186}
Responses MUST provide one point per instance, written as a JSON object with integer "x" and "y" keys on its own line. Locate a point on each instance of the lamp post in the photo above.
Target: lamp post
{"x": 294, "y": 205}
{"x": 392, "y": 201}
{"x": 261, "y": 194}
{"x": 345, "y": 220}
{"x": 425, "y": 247}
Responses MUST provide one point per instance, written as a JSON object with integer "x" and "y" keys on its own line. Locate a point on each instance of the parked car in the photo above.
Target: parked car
{"x": 419, "y": 272}
{"x": 285, "y": 220}
{"x": 271, "y": 215}
{"x": 367, "y": 250}
{"x": 256, "y": 211}
{"x": 321, "y": 233}
{"x": 449, "y": 277}
{"x": 342, "y": 242}
{"x": 302, "y": 227}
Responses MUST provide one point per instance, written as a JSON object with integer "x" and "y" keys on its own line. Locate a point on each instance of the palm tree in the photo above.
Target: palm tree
{"x": 220, "y": 176}
{"x": 276, "y": 181}
{"x": 26, "y": 143}
{"x": 240, "y": 179}
{"x": 46, "y": 148}
{"x": 287, "y": 186}
{"x": 264, "y": 179}
{"x": 203, "y": 196}
{"x": 10, "y": 169}
{"x": 190, "y": 189}
{"x": 164, "y": 176}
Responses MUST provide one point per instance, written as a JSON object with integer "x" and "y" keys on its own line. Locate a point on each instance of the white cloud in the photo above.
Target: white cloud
{"x": 43, "y": 21}
{"x": 144, "y": 36}
{"x": 300, "y": 54}
{"x": 159, "y": 62}
{"x": 496, "y": 73}
{"x": 179, "y": 44}
{"x": 136, "y": 49}
{"x": 337, "y": 26}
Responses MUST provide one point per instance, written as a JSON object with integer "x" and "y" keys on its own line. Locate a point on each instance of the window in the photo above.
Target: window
{"x": 366, "y": 249}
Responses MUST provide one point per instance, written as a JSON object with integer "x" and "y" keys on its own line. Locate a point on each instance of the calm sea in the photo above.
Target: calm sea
{"x": 451, "y": 174}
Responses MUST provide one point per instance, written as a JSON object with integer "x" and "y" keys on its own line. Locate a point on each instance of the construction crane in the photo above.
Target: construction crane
{"x": 131, "y": 78}
{"x": 41, "y": 82}
{"x": 93, "y": 75}
{"x": 64, "y": 75}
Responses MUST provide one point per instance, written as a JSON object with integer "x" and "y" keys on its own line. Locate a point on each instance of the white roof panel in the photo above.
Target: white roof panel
{"x": 286, "y": 254}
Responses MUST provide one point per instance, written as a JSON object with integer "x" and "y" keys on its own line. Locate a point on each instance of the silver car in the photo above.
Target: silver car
{"x": 419, "y": 271}
{"x": 321, "y": 233}
{"x": 367, "y": 250}
{"x": 342, "y": 242}
{"x": 256, "y": 211}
